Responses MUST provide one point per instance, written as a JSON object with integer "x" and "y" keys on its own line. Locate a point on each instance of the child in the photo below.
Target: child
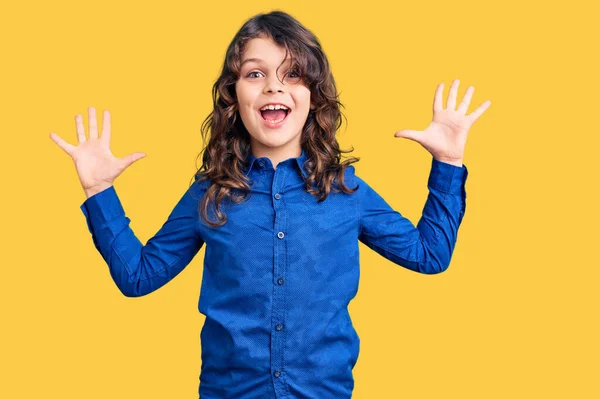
{"x": 281, "y": 217}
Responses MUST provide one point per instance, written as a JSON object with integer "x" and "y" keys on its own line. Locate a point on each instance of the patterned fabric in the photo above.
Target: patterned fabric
{"x": 279, "y": 275}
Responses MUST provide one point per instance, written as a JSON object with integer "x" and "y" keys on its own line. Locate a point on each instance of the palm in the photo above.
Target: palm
{"x": 446, "y": 135}
{"x": 95, "y": 163}
{"x": 444, "y": 139}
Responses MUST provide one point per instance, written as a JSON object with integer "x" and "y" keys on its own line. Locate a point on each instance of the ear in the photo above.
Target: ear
{"x": 312, "y": 106}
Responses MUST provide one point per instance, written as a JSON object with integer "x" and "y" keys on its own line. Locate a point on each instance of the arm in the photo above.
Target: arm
{"x": 140, "y": 269}
{"x": 428, "y": 247}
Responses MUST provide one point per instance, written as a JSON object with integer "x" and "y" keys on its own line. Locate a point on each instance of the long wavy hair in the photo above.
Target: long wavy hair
{"x": 228, "y": 142}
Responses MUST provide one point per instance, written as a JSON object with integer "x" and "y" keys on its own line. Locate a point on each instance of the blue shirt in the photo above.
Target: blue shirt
{"x": 279, "y": 275}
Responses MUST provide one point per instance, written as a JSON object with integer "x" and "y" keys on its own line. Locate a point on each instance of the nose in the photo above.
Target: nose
{"x": 273, "y": 84}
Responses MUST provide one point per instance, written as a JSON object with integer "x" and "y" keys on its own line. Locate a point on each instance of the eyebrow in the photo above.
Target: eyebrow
{"x": 257, "y": 60}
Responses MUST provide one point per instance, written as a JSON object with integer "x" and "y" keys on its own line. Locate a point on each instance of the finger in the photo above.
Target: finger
{"x": 68, "y": 148}
{"x": 408, "y": 134}
{"x": 452, "y": 95}
{"x": 473, "y": 116}
{"x": 92, "y": 123}
{"x": 80, "y": 129}
{"x": 437, "y": 99}
{"x": 464, "y": 104}
{"x": 106, "y": 127}
{"x": 131, "y": 158}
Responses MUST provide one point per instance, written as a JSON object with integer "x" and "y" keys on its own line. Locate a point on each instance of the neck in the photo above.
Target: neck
{"x": 276, "y": 155}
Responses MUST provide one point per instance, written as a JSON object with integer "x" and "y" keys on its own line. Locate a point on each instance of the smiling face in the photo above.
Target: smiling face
{"x": 258, "y": 86}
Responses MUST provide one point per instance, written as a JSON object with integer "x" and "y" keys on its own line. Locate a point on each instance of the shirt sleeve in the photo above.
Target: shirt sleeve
{"x": 140, "y": 269}
{"x": 426, "y": 248}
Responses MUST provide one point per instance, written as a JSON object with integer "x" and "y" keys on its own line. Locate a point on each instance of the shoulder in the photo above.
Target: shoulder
{"x": 365, "y": 192}
{"x": 199, "y": 187}
{"x": 351, "y": 179}
{"x": 349, "y": 173}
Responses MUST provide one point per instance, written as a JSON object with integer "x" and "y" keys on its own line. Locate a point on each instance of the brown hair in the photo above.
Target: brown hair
{"x": 224, "y": 157}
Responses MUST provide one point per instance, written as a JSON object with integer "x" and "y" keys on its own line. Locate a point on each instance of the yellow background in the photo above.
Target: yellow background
{"x": 512, "y": 317}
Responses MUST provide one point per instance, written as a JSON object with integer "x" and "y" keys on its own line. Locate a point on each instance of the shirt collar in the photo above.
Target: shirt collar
{"x": 253, "y": 162}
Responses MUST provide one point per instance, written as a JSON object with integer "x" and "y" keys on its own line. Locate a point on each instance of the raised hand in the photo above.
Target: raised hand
{"x": 96, "y": 166}
{"x": 446, "y": 135}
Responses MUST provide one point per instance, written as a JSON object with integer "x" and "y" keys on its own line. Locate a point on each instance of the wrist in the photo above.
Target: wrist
{"x": 95, "y": 190}
{"x": 455, "y": 162}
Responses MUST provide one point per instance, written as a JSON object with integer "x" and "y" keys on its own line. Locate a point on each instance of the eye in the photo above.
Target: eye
{"x": 289, "y": 73}
{"x": 248, "y": 75}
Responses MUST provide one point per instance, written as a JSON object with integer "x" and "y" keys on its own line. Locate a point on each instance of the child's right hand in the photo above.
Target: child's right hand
{"x": 96, "y": 166}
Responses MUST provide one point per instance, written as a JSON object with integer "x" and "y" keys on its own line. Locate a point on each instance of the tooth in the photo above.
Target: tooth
{"x": 274, "y": 107}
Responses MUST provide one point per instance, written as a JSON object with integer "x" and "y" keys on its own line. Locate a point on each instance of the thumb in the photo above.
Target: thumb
{"x": 407, "y": 134}
{"x": 131, "y": 158}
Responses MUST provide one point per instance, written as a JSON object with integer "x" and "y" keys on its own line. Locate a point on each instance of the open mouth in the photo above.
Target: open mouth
{"x": 274, "y": 117}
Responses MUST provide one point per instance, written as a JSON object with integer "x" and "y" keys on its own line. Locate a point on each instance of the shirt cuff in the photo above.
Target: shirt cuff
{"x": 447, "y": 178}
{"x": 102, "y": 207}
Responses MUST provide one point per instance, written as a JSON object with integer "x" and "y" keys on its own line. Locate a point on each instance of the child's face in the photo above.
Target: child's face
{"x": 258, "y": 86}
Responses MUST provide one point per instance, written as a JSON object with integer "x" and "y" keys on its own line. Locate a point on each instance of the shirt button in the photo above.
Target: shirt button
{"x": 279, "y": 327}
{"x": 280, "y": 234}
{"x": 277, "y": 196}
{"x": 261, "y": 163}
{"x": 280, "y": 281}
{"x": 277, "y": 373}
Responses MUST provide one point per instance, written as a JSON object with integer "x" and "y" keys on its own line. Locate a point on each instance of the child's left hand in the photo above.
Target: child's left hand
{"x": 446, "y": 135}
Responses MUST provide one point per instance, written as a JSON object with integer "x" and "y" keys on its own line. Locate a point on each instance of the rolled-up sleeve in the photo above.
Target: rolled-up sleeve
{"x": 428, "y": 247}
{"x": 135, "y": 268}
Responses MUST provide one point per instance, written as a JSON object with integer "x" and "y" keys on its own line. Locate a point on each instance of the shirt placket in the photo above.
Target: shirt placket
{"x": 278, "y": 326}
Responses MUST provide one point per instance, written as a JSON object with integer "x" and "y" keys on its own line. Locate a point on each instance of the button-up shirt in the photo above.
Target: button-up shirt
{"x": 279, "y": 275}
